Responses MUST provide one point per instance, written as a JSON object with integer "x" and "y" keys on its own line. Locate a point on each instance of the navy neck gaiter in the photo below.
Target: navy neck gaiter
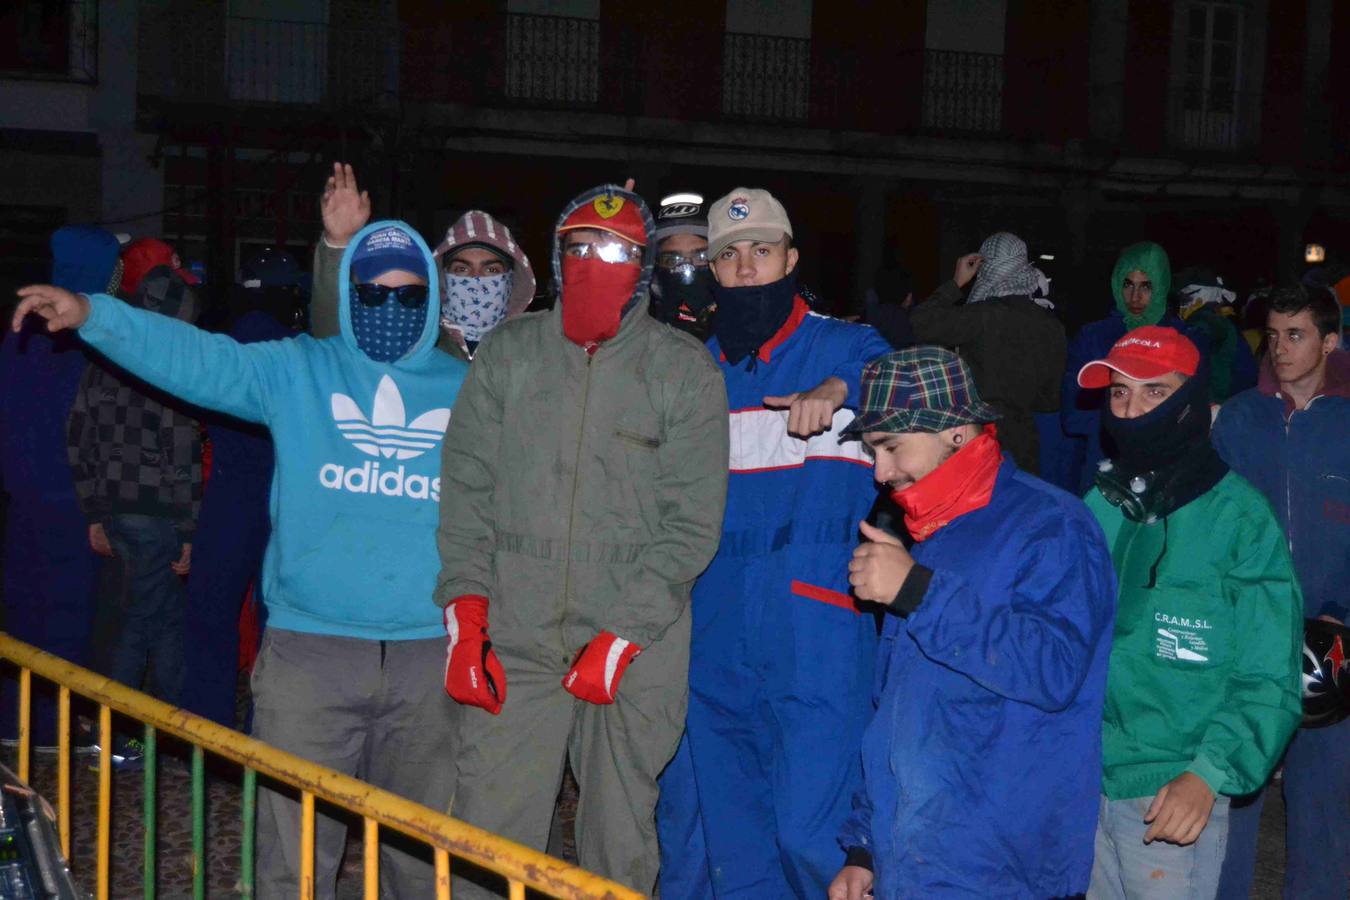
{"x": 748, "y": 316}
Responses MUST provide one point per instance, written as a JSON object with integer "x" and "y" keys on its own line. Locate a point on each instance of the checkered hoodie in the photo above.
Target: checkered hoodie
{"x": 130, "y": 452}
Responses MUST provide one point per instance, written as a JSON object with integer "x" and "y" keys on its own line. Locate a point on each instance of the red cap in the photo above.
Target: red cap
{"x": 610, "y": 213}
{"x": 1148, "y": 352}
{"x": 145, "y": 254}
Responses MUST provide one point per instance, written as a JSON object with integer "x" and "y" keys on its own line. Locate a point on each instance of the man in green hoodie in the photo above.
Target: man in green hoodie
{"x": 1202, "y": 694}
{"x": 1140, "y": 283}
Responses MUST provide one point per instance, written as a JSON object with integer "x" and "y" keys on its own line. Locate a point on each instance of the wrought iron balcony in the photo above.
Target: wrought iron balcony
{"x": 962, "y": 91}
{"x": 199, "y": 55}
{"x": 766, "y": 77}
{"x": 1214, "y": 120}
{"x": 552, "y": 60}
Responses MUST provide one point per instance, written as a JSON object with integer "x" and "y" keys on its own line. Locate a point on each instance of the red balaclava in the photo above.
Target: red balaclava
{"x": 594, "y": 292}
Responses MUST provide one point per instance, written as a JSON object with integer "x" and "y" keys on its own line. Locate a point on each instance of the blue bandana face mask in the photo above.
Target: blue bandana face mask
{"x": 387, "y": 332}
{"x": 475, "y": 305}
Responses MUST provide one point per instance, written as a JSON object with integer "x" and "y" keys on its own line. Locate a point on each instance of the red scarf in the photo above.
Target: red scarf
{"x": 962, "y": 484}
{"x": 594, "y": 294}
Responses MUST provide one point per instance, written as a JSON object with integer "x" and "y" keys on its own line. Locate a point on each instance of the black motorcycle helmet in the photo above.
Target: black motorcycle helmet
{"x": 682, "y": 285}
{"x": 1326, "y": 673}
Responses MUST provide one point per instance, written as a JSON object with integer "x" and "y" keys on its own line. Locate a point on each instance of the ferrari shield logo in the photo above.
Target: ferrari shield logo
{"x": 607, "y": 206}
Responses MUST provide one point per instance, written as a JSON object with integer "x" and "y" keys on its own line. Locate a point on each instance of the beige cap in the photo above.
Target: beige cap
{"x": 746, "y": 214}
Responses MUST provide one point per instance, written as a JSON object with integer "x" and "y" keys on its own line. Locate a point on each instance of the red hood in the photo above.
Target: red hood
{"x": 1337, "y": 382}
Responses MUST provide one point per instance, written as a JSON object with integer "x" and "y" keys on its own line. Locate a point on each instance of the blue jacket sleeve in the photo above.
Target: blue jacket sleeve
{"x": 857, "y": 829}
{"x": 207, "y": 370}
{"x": 866, "y": 345}
{"x": 1035, "y": 643}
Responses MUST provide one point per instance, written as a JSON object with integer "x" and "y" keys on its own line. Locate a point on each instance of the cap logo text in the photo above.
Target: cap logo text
{"x": 679, "y": 210}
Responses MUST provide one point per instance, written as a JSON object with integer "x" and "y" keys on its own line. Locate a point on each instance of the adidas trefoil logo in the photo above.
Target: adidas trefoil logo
{"x": 387, "y": 432}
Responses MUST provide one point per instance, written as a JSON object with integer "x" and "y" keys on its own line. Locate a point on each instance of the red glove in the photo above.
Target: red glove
{"x": 473, "y": 674}
{"x": 594, "y": 676}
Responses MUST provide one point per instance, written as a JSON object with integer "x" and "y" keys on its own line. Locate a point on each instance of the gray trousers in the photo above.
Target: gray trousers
{"x": 511, "y": 765}
{"x": 373, "y": 709}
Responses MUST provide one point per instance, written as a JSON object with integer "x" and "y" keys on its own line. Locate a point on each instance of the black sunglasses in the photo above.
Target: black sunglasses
{"x": 410, "y": 296}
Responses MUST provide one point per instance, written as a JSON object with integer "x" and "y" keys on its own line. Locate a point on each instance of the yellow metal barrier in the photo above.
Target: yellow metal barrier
{"x": 521, "y": 866}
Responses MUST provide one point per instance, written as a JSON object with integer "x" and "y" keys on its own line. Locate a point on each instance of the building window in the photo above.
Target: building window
{"x": 50, "y": 40}
{"x": 963, "y": 65}
{"x": 766, "y": 60}
{"x": 1212, "y": 101}
{"x": 553, "y": 51}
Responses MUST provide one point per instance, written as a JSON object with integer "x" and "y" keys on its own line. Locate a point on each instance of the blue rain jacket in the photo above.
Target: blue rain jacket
{"x": 1301, "y": 461}
{"x": 982, "y": 765}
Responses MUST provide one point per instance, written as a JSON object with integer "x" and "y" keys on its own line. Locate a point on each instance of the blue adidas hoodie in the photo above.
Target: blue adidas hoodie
{"x": 355, "y": 497}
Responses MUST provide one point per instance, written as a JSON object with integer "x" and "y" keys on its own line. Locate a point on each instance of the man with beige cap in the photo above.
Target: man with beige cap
{"x": 780, "y": 676}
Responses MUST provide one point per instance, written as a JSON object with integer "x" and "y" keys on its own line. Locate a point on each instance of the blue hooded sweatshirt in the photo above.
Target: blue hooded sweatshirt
{"x": 355, "y": 498}
{"x": 1300, "y": 459}
{"x": 983, "y": 763}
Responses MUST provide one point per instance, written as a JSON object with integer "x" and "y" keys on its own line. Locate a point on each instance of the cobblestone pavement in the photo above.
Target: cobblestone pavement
{"x": 174, "y": 857}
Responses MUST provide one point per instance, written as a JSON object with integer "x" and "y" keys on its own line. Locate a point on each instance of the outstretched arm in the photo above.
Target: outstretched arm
{"x": 209, "y": 370}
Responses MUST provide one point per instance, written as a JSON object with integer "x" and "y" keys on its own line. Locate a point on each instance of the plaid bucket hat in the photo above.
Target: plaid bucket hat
{"x": 918, "y": 389}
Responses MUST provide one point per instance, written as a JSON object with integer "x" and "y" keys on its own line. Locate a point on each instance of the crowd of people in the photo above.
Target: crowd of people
{"x": 935, "y": 603}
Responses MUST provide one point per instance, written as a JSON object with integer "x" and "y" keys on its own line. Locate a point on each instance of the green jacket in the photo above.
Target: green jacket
{"x": 1205, "y": 666}
{"x": 323, "y": 303}
{"x": 583, "y": 493}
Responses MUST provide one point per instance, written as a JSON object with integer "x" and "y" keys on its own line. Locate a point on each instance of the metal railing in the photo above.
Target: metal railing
{"x": 552, "y": 59}
{"x": 962, "y": 91}
{"x": 198, "y": 54}
{"x": 521, "y": 866}
{"x": 1214, "y": 120}
{"x": 766, "y": 77}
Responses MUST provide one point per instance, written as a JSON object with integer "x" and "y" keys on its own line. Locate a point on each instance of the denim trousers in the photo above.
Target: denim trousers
{"x": 1125, "y": 867}
{"x": 141, "y": 611}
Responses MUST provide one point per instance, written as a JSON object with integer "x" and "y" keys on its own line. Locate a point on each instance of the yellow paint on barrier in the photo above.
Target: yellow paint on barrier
{"x": 514, "y": 861}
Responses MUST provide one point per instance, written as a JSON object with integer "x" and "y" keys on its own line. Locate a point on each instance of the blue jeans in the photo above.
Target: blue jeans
{"x": 1125, "y": 867}
{"x": 143, "y": 615}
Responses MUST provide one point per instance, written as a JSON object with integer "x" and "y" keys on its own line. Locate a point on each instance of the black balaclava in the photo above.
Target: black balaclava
{"x": 684, "y": 298}
{"x": 748, "y": 316}
{"x": 1162, "y": 460}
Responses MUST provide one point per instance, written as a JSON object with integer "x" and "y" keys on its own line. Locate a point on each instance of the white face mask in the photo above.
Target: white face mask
{"x": 475, "y": 305}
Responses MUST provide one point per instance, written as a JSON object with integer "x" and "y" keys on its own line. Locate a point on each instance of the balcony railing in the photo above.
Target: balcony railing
{"x": 195, "y": 54}
{"x": 1214, "y": 120}
{"x": 962, "y": 91}
{"x": 52, "y": 41}
{"x": 552, "y": 60}
{"x": 765, "y": 77}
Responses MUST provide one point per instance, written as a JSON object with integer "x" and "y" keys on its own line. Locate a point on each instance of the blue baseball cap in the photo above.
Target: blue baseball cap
{"x": 386, "y": 250}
